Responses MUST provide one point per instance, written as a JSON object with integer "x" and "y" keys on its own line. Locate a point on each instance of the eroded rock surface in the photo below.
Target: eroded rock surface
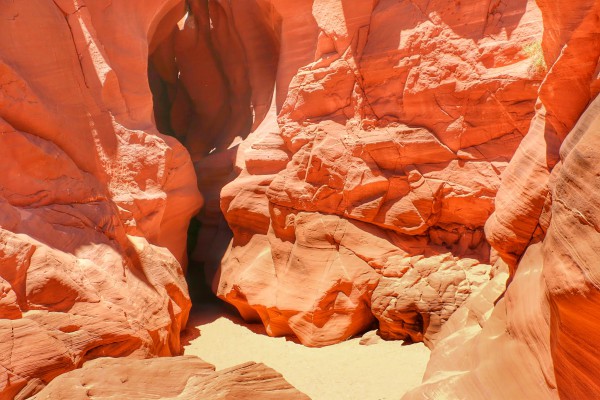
{"x": 570, "y": 50}
{"x": 94, "y": 202}
{"x": 415, "y": 303}
{"x": 542, "y": 331}
{"x": 391, "y": 125}
{"x": 186, "y": 377}
{"x": 376, "y": 161}
{"x": 537, "y": 329}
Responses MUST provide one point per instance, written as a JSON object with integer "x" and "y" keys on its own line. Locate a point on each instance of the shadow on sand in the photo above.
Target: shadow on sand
{"x": 210, "y": 311}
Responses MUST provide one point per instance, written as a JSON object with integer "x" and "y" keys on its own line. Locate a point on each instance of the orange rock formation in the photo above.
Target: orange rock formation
{"x": 542, "y": 330}
{"x": 188, "y": 377}
{"x": 94, "y": 202}
{"x": 362, "y": 162}
{"x": 368, "y": 196}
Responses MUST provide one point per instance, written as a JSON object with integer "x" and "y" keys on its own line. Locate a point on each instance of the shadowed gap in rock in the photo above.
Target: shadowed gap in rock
{"x": 212, "y": 74}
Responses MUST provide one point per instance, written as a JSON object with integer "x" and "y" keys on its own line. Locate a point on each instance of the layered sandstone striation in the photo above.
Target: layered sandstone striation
{"x": 378, "y": 162}
{"x": 569, "y": 52}
{"x": 363, "y": 194}
{"x": 94, "y": 202}
{"x": 188, "y": 377}
{"x": 542, "y": 331}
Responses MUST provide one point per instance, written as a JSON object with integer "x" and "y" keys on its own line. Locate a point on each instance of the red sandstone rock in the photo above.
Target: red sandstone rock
{"x": 570, "y": 260}
{"x": 570, "y": 50}
{"x": 416, "y": 301}
{"x": 395, "y": 121}
{"x": 487, "y": 338}
{"x": 358, "y": 190}
{"x": 213, "y": 77}
{"x": 543, "y": 330}
{"x": 184, "y": 377}
{"x": 536, "y": 330}
{"x": 94, "y": 202}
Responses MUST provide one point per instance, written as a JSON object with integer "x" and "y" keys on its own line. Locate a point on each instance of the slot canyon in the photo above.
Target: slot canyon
{"x": 299, "y": 199}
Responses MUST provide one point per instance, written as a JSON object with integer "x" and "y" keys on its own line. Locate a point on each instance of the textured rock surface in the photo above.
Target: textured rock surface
{"x": 365, "y": 155}
{"x": 94, "y": 202}
{"x": 542, "y": 333}
{"x": 416, "y": 303}
{"x": 487, "y": 338}
{"x": 391, "y": 124}
{"x": 570, "y": 49}
{"x": 188, "y": 377}
{"x": 543, "y": 329}
{"x": 570, "y": 259}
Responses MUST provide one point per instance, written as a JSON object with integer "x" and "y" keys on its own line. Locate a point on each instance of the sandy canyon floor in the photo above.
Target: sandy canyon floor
{"x": 349, "y": 370}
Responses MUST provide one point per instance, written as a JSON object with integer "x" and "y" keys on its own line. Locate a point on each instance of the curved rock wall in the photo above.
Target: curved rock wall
{"x": 571, "y": 262}
{"x": 94, "y": 202}
{"x": 538, "y": 342}
{"x": 212, "y": 76}
{"x": 570, "y": 49}
{"x": 364, "y": 193}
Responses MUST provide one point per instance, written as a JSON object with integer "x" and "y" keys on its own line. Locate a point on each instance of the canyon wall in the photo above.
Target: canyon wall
{"x": 537, "y": 339}
{"x": 380, "y": 162}
{"x": 94, "y": 201}
{"x": 412, "y": 156}
{"x": 363, "y": 194}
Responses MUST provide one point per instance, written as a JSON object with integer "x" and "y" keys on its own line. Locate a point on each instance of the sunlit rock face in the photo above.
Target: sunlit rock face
{"x": 363, "y": 194}
{"x": 94, "y": 202}
{"x": 387, "y": 162}
{"x": 537, "y": 339}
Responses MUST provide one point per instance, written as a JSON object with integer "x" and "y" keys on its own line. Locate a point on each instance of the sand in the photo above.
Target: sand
{"x": 349, "y": 370}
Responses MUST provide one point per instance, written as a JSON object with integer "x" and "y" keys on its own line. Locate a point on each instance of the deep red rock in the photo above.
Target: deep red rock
{"x": 94, "y": 201}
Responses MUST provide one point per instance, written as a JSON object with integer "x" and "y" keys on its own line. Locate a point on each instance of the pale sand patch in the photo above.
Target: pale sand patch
{"x": 385, "y": 370}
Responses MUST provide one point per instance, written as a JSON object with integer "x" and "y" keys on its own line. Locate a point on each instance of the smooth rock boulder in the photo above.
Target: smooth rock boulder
{"x": 185, "y": 377}
{"x": 394, "y": 123}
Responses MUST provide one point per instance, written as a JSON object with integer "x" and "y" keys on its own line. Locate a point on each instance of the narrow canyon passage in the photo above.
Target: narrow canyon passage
{"x": 300, "y": 169}
{"x": 202, "y": 97}
{"x": 212, "y": 75}
{"x": 388, "y": 198}
{"x": 311, "y": 177}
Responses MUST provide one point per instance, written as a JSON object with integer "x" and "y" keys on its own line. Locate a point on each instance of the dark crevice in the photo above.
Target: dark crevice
{"x": 212, "y": 75}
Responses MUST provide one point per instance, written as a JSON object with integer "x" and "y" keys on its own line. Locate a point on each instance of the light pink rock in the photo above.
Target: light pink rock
{"x": 187, "y": 377}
